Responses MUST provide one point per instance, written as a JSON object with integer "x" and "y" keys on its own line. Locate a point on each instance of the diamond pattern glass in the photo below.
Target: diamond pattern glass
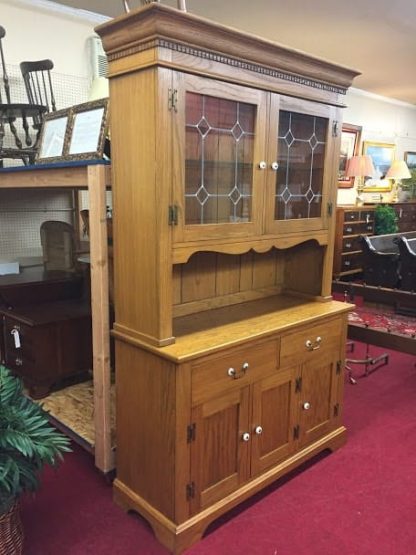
{"x": 301, "y": 154}
{"x": 219, "y": 160}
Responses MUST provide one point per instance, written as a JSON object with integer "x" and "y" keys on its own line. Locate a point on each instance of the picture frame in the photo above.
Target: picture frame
{"x": 382, "y": 155}
{"x": 350, "y": 145}
{"x": 53, "y": 138}
{"x": 410, "y": 159}
{"x": 87, "y": 130}
{"x": 75, "y": 133}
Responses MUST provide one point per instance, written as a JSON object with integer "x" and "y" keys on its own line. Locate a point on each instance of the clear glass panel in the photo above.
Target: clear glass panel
{"x": 219, "y": 160}
{"x": 299, "y": 178}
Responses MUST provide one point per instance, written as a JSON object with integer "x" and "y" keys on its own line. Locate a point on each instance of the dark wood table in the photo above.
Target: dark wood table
{"x": 35, "y": 285}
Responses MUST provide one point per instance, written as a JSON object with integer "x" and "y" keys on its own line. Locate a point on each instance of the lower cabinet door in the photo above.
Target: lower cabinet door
{"x": 318, "y": 399}
{"x": 220, "y": 457}
{"x": 273, "y": 422}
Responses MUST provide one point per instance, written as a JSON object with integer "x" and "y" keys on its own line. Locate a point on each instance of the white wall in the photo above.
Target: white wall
{"x": 383, "y": 120}
{"x": 37, "y": 29}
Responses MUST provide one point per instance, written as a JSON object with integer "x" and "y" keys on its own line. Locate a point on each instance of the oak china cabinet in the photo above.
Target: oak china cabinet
{"x": 229, "y": 348}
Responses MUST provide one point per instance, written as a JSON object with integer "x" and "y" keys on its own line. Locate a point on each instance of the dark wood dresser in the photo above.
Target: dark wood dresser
{"x": 354, "y": 221}
{"x": 45, "y": 328}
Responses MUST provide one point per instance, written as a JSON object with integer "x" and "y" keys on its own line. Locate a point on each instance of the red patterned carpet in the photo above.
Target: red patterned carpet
{"x": 385, "y": 321}
{"x": 359, "y": 500}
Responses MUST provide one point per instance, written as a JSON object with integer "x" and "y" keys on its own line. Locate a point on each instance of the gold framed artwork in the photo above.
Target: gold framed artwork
{"x": 410, "y": 159}
{"x": 350, "y": 144}
{"x": 382, "y": 155}
{"x": 76, "y": 133}
{"x": 53, "y": 137}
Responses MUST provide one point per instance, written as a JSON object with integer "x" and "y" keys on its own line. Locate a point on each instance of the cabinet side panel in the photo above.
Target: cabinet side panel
{"x": 146, "y": 416}
{"x": 303, "y": 269}
{"x": 139, "y": 193}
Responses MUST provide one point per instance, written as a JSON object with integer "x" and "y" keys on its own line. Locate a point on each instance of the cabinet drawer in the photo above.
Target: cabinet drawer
{"x": 352, "y": 216}
{"x": 305, "y": 344}
{"x": 233, "y": 369}
{"x": 24, "y": 337}
{"x": 351, "y": 244}
{"x": 21, "y": 363}
{"x": 351, "y": 262}
{"x": 357, "y": 229}
{"x": 367, "y": 216}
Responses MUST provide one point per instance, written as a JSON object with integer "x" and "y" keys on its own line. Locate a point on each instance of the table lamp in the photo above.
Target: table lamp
{"x": 397, "y": 171}
{"x": 360, "y": 166}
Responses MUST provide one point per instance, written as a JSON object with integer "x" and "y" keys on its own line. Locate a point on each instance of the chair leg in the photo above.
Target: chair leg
{"x": 371, "y": 364}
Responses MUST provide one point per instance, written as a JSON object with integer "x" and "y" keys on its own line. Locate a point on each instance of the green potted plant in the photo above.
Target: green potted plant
{"x": 385, "y": 220}
{"x": 27, "y": 443}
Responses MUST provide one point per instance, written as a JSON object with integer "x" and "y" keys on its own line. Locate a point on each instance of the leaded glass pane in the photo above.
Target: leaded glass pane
{"x": 299, "y": 178}
{"x": 219, "y": 160}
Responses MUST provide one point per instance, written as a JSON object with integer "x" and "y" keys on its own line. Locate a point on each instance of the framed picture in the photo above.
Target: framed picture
{"x": 53, "y": 137}
{"x": 87, "y": 130}
{"x": 382, "y": 155}
{"x": 76, "y": 133}
{"x": 410, "y": 159}
{"x": 350, "y": 144}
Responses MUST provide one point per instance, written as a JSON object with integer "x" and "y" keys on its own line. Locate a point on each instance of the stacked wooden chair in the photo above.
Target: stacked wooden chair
{"x": 21, "y": 122}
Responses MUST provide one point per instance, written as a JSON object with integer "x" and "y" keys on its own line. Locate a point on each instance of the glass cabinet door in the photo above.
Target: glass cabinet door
{"x": 298, "y": 187}
{"x": 221, "y": 138}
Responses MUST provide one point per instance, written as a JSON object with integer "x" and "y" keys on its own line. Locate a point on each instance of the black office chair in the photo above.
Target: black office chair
{"x": 16, "y": 116}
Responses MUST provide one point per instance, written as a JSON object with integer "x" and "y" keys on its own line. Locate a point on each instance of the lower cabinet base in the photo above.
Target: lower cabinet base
{"x": 178, "y": 537}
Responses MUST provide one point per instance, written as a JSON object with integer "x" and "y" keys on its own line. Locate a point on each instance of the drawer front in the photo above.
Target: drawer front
{"x": 351, "y": 262}
{"x": 18, "y": 337}
{"x": 233, "y": 369}
{"x": 18, "y": 361}
{"x": 351, "y": 244}
{"x": 312, "y": 342}
{"x": 406, "y": 226}
{"x": 352, "y": 216}
{"x": 367, "y": 216}
{"x": 406, "y": 214}
{"x": 358, "y": 229}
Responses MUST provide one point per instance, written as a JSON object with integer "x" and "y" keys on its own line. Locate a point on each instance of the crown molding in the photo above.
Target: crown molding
{"x": 380, "y": 98}
{"x": 61, "y": 10}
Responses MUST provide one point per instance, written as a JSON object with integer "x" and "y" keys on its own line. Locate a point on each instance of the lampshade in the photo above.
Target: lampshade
{"x": 360, "y": 166}
{"x": 398, "y": 170}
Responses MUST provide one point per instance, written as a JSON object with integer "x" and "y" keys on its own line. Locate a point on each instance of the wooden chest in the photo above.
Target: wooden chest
{"x": 47, "y": 343}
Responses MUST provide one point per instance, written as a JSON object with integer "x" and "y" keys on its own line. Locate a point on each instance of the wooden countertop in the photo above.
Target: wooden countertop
{"x": 214, "y": 330}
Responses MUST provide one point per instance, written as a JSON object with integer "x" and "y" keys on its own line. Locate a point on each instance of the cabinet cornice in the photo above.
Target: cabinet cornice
{"x": 157, "y": 25}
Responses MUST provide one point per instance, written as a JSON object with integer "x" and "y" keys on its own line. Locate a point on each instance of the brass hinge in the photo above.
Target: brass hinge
{"x": 190, "y": 490}
{"x": 173, "y": 214}
{"x": 173, "y": 100}
{"x": 329, "y": 208}
{"x": 336, "y": 409}
{"x": 339, "y": 367}
{"x": 298, "y": 385}
{"x": 335, "y": 129}
{"x": 296, "y": 431}
{"x": 190, "y": 432}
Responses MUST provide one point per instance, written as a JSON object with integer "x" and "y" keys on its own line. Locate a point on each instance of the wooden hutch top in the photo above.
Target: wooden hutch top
{"x": 160, "y": 61}
{"x": 181, "y": 40}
